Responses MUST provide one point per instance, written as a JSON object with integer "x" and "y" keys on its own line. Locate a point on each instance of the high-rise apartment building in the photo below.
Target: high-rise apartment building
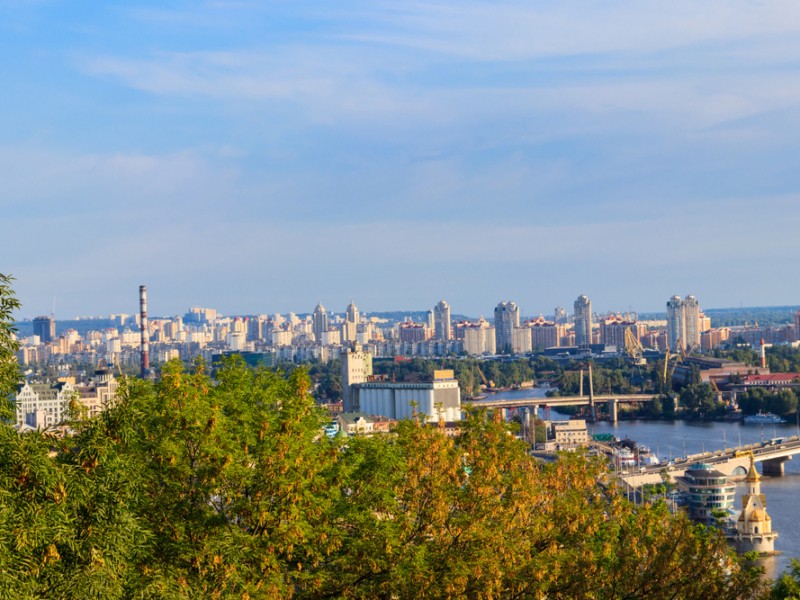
{"x": 612, "y": 331}
{"x": 506, "y": 319}
{"x": 320, "y": 322}
{"x": 685, "y": 322}
{"x": 691, "y": 316}
{"x": 676, "y": 325}
{"x": 479, "y": 338}
{"x": 410, "y": 332}
{"x": 352, "y": 315}
{"x": 349, "y": 328}
{"x": 441, "y": 321}
{"x": 521, "y": 340}
{"x": 201, "y": 316}
{"x": 545, "y": 334}
{"x": 583, "y": 321}
{"x": 256, "y": 328}
{"x": 45, "y": 328}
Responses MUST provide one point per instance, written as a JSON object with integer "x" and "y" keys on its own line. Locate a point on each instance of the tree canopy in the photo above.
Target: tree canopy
{"x": 226, "y": 487}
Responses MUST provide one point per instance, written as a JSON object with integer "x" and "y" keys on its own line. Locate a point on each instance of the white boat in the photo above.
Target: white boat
{"x": 623, "y": 457}
{"x": 763, "y": 419}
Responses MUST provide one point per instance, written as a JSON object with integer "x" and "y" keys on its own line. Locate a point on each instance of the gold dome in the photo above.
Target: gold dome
{"x": 760, "y": 514}
{"x": 752, "y": 474}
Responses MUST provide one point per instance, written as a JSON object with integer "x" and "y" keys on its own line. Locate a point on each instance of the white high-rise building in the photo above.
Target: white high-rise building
{"x": 281, "y": 337}
{"x": 521, "y": 340}
{"x": 684, "y": 322}
{"x": 320, "y": 322}
{"x": 479, "y": 338}
{"x": 441, "y": 321}
{"x": 691, "y": 317}
{"x": 676, "y": 324}
{"x": 352, "y": 315}
{"x": 506, "y": 319}
{"x": 583, "y": 321}
{"x": 236, "y": 341}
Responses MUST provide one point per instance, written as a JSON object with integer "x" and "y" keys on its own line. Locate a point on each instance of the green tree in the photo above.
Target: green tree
{"x": 782, "y": 402}
{"x": 194, "y": 487}
{"x": 787, "y": 587}
{"x": 699, "y": 399}
{"x": 752, "y": 401}
{"x": 656, "y": 407}
{"x": 9, "y": 369}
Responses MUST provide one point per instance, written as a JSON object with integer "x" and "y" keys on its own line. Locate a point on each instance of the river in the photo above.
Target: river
{"x": 671, "y": 439}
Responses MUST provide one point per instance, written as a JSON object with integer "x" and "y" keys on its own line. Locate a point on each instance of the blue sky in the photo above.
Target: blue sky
{"x": 264, "y": 156}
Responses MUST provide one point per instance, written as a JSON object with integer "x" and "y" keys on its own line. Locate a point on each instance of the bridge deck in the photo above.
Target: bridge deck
{"x": 724, "y": 460}
{"x": 561, "y": 400}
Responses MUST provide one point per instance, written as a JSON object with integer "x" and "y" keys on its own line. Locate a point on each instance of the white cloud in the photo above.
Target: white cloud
{"x": 529, "y": 30}
{"x": 415, "y": 65}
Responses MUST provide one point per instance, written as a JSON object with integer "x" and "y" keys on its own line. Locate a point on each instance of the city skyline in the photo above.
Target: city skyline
{"x": 526, "y": 310}
{"x": 241, "y": 155}
{"x": 357, "y": 311}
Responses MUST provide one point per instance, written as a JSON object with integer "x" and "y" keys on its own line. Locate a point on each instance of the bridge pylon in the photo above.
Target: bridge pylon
{"x": 592, "y": 407}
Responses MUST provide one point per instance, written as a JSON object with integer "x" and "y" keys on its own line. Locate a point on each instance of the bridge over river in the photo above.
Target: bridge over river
{"x": 611, "y": 400}
{"x": 731, "y": 461}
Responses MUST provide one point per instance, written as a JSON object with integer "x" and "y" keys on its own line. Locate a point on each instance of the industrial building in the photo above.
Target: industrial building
{"x": 356, "y": 368}
{"x": 439, "y": 399}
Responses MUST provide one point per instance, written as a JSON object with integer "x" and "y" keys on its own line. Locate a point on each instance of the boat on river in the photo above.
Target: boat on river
{"x": 762, "y": 418}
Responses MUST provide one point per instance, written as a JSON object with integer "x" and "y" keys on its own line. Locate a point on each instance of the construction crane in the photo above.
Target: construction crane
{"x": 489, "y": 384}
{"x": 634, "y": 348}
{"x": 667, "y": 374}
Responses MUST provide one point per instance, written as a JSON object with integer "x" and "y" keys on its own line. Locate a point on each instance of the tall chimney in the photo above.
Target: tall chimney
{"x": 145, "y": 332}
{"x": 763, "y": 354}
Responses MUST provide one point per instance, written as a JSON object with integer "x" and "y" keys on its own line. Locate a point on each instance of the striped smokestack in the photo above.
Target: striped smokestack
{"x": 145, "y": 332}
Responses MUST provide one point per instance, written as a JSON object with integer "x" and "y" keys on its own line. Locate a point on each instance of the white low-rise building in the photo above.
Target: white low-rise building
{"x": 569, "y": 434}
{"x": 43, "y": 405}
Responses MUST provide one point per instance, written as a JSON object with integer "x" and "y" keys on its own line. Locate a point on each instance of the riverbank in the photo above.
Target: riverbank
{"x": 677, "y": 438}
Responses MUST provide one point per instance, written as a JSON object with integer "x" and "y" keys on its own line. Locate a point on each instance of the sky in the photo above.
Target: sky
{"x": 261, "y": 157}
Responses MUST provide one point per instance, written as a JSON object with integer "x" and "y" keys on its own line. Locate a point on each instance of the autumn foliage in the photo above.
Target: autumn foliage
{"x": 195, "y": 487}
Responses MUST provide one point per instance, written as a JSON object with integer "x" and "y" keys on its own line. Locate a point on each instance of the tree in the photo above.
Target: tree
{"x": 752, "y": 401}
{"x": 9, "y": 369}
{"x": 227, "y": 487}
{"x": 699, "y": 398}
{"x": 655, "y": 408}
{"x": 788, "y": 585}
{"x": 782, "y": 402}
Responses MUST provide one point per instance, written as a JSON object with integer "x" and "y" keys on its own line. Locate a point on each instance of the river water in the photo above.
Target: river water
{"x": 671, "y": 439}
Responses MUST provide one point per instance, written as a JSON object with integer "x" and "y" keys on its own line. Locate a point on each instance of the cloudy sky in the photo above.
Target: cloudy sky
{"x": 264, "y": 156}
